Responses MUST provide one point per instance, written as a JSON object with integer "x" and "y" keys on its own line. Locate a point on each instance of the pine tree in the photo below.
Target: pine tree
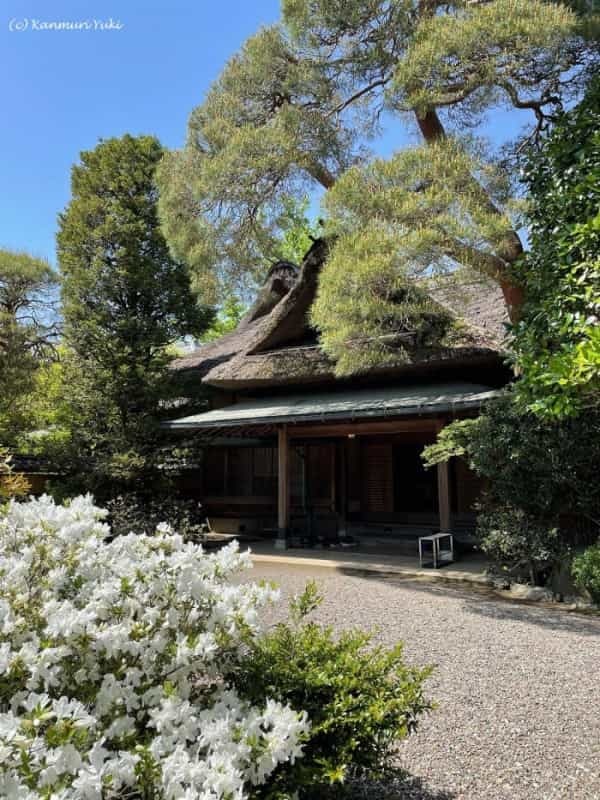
{"x": 294, "y": 110}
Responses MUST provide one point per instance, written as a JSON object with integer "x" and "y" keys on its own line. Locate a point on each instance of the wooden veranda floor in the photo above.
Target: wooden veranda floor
{"x": 469, "y": 568}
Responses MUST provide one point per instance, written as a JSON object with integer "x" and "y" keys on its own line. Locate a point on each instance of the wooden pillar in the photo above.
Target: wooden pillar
{"x": 283, "y": 488}
{"x": 443, "y": 476}
{"x": 343, "y": 493}
{"x": 332, "y": 476}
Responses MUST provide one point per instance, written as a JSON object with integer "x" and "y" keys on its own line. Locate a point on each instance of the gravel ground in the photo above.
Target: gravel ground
{"x": 518, "y": 686}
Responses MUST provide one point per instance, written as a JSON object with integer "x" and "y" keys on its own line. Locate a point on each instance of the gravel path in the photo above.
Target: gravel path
{"x": 518, "y": 686}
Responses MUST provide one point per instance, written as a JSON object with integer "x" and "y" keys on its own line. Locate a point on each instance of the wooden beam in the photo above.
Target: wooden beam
{"x": 283, "y": 487}
{"x": 362, "y": 428}
{"x": 443, "y": 476}
{"x": 238, "y": 500}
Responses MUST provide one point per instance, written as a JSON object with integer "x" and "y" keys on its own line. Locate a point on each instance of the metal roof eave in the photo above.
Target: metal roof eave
{"x": 325, "y": 416}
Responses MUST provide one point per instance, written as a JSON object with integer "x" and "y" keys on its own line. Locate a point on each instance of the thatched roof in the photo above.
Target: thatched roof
{"x": 274, "y": 345}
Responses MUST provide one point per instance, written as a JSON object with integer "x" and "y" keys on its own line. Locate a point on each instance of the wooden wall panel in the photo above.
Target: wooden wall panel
{"x": 378, "y": 477}
{"x": 320, "y": 472}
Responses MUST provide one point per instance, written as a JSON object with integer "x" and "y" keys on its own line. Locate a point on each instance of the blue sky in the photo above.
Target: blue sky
{"x": 63, "y": 90}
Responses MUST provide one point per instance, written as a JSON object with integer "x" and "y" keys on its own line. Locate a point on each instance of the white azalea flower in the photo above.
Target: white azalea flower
{"x": 107, "y": 641}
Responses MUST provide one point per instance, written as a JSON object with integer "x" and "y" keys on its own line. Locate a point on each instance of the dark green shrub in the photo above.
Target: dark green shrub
{"x": 586, "y": 572}
{"x": 537, "y": 472}
{"x": 517, "y": 543}
{"x": 141, "y": 514}
{"x": 544, "y": 467}
{"x": 360, "y": 699}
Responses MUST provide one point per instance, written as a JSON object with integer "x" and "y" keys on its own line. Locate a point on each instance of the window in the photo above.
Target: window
{"x": 240, "y": 471}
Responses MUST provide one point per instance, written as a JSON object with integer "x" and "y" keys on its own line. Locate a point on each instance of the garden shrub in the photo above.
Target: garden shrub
{"x": 136, "y": 513}
{"x": 111, "y": 662}
{"x": 360, "y": 700}
{"x": 586, "y": 572}
{"x": 12, "y": 484}
{"x": 537, "y": 472}
{"x": 519, "y": 544}
{"x": 136, "y": 667}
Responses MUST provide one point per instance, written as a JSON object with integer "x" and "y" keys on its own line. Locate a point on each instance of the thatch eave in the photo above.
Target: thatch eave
{"x": 269, "y": 347}
{"x": 297, "y": 366}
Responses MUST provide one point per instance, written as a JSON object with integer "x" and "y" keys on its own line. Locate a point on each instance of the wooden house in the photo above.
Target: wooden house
{"x": 36, "y": 471}
{"x": 287, "y": 447}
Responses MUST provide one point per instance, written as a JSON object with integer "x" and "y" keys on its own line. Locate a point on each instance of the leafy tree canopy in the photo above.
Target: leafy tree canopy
{"x": 540, "y": 466}
{"x": 298, "y": 230}
{"x": 226, "y": 320}
{"x": 557, "y": 341}
{"x": 297, "y": 234}
{"x": 589, "y": 14}
{"x": 27, "y": 331}
{"x": 125, "y": 300}
{"x": 295, "y": 109}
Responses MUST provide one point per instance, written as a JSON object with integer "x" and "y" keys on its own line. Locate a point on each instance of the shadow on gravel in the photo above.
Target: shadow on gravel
{"x": 485, "y": 602}
{"x": 559, "y": 620}
{"x": 402, "y": 787}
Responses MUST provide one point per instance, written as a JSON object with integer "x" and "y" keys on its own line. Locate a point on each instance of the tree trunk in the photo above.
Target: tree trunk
{"x": 432, "y": 129}
{"x": 514, "y": 297}
{"x": 322, "y": 175}
{"x": 430, "y": 126}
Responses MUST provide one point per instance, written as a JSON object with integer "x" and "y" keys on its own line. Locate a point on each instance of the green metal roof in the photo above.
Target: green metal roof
{"x": 346, "y": 405}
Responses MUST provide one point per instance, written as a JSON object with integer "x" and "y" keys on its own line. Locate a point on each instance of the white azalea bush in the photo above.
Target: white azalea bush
{"x": 112, "y": 656}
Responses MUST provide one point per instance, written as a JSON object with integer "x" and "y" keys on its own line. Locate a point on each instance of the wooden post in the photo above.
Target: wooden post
{"x": 343, "y": 494}
{"x": 443, "y": 476}
{"x": 332, "y": 475}
{"x": 283, "y": 487}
